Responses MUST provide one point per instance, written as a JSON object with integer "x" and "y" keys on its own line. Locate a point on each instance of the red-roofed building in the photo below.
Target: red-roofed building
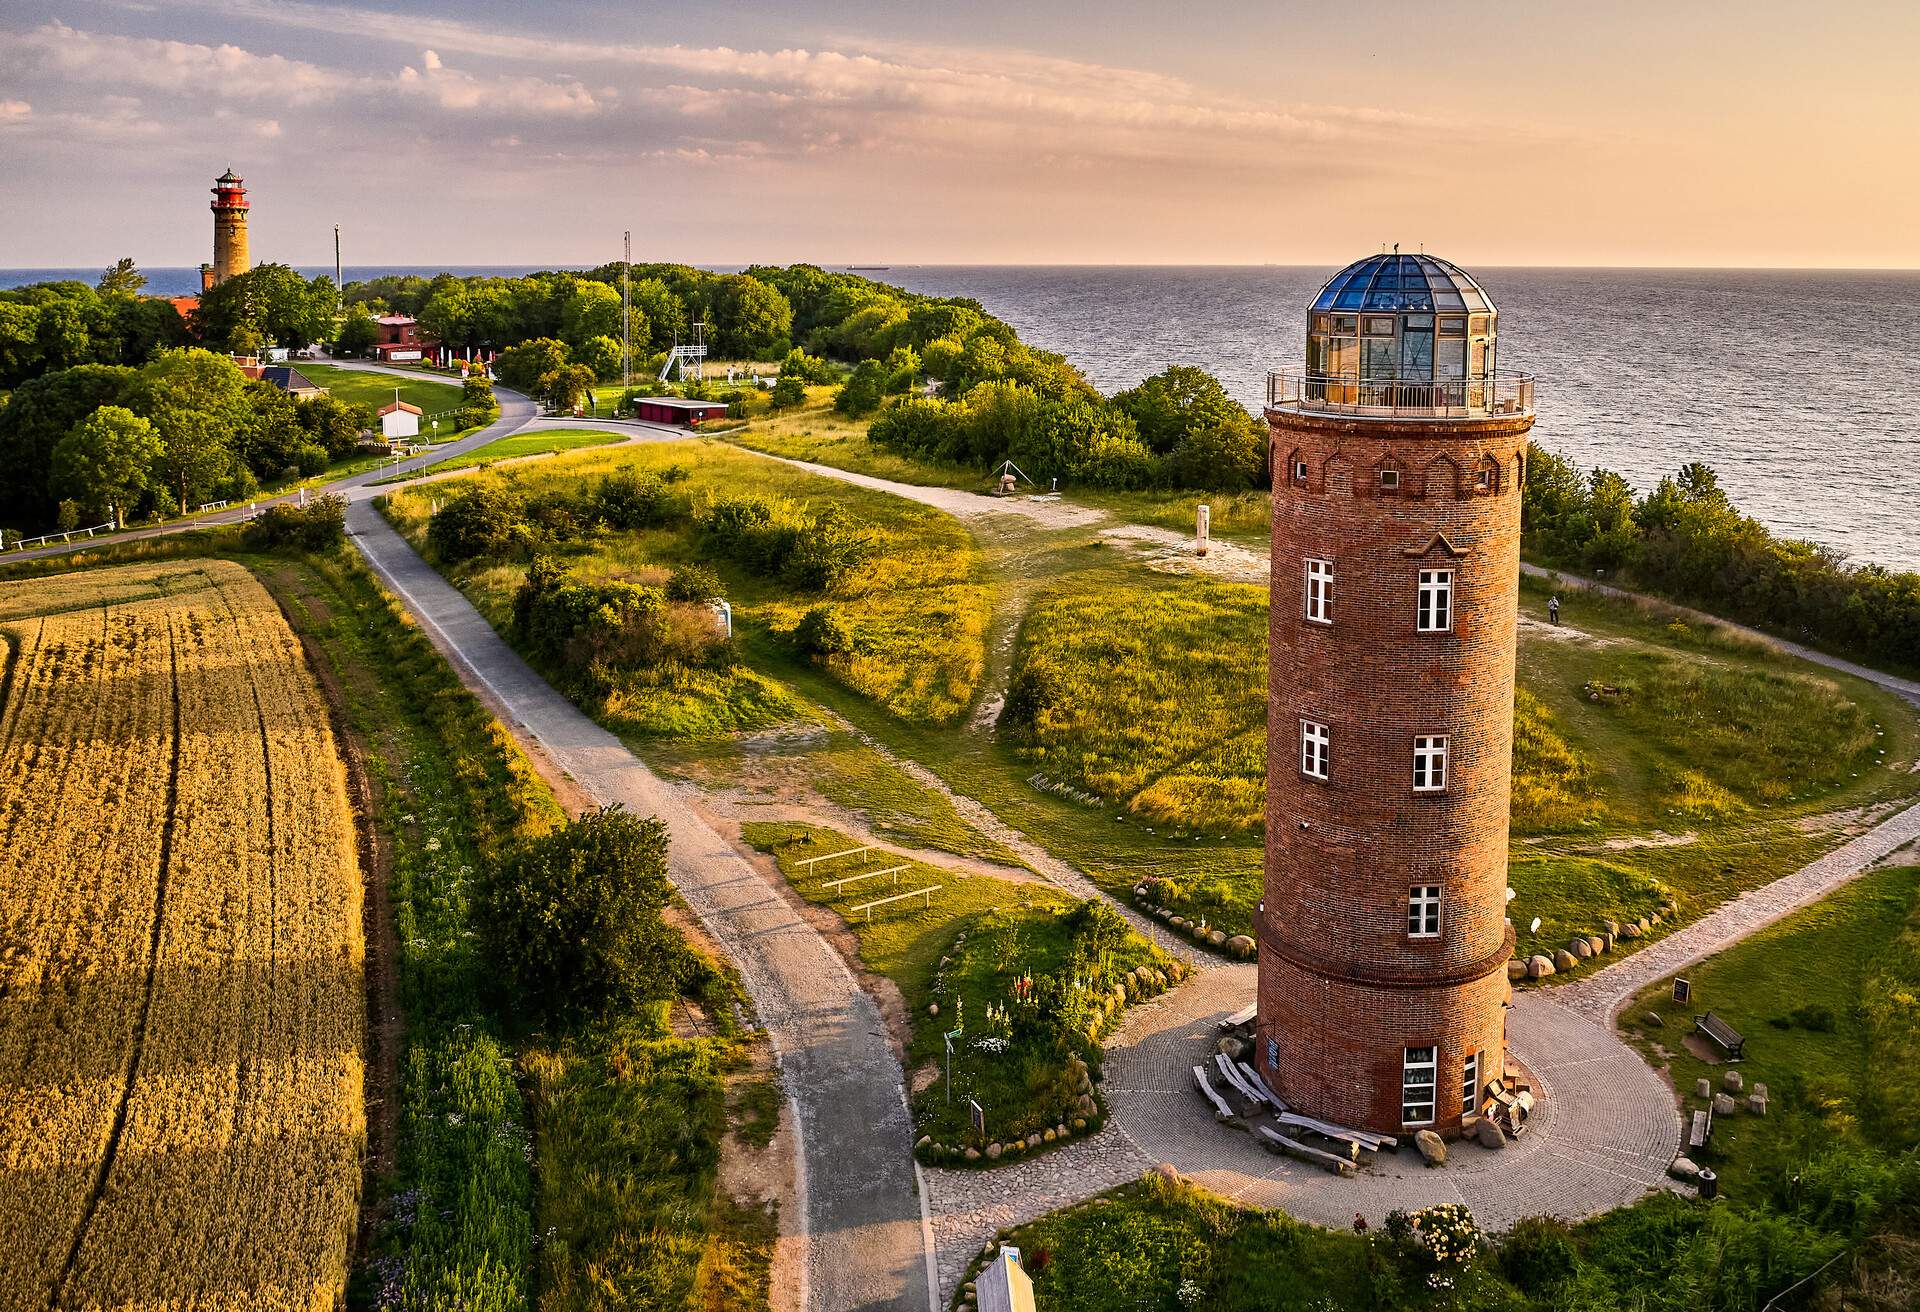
{"x": 400, "y": 340}
{"x": 399, "y": 419}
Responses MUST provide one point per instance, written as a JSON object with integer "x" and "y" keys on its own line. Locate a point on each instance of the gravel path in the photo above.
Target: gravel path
{"x": 866, "y": 1245}
{"x": 1601, "y": 995}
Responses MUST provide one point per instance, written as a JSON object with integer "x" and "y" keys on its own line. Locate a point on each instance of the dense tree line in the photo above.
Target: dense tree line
{"x": 1686, "y": 540}
{"x": 59, "y": 325}
{"x": 98, "y": 442}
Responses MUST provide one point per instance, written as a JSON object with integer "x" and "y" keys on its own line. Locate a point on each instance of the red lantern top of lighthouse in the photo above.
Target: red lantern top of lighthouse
{"x": 229, "y": 191}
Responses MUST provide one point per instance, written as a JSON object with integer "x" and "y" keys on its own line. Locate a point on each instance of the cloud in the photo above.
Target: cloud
{"x": 14, "y": 110}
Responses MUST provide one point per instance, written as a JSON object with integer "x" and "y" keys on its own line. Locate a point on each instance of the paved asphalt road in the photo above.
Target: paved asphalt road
{"x": 867, "y": 1246}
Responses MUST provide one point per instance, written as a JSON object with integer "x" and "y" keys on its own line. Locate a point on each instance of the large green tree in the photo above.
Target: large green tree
{"x": 39, "y": 414}
{"x": 522, "y": 367}
{"x": 753, "y": 319}
{"x": 572, "y": 919}
{"x": 123, "y": 277}
{"x": 105, "y": 462}
{"x": 198, "y": 403}
{"x": 592, "y": 311}
{"x": 273, "y": 301}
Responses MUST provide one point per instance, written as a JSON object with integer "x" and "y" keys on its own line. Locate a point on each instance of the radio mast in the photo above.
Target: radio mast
{"x": 626, "y": 312}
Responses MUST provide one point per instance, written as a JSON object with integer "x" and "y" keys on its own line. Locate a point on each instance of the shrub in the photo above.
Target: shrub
{"x": 862, "y": 393}
{"x": 572, "y": 921}
{"x": 580, "y": 625}
{"x": 824, "y": 550}
{"x": 693, "y": 583}
{"x": 310, "y": 459}
{"x": 320, "y": 525}
{"x": 788, "y": 391}
{"x": 821, "y": 632}
{"x": 477, "y": 522}
{"x": 1538, "y": 1253}
{"x": 630, "y": 500}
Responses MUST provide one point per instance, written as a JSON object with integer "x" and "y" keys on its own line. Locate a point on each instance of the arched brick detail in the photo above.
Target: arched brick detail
{"x": 1441, "y": 478}
{"x": 1336, "y": 474}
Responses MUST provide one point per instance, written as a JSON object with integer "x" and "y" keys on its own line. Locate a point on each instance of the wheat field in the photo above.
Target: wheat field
{"x": 181, "y": 998}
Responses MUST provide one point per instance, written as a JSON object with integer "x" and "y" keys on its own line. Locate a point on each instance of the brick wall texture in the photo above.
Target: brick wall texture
{"x": 1344, "y": 987}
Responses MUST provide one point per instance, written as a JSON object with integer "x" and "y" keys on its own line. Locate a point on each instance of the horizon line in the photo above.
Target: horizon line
{"x": 842, "y": 266}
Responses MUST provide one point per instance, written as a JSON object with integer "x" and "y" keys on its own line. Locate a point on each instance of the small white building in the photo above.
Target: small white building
{"x": 398, "y": 420}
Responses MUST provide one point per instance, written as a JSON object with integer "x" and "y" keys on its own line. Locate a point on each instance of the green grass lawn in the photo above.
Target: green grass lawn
{"x": 1023, "y": 969}
{"x": 1826, "y": 1002}
{"x": 432, "y": 395}
{"x": 917, "y": 605}
{"x": 538, "y": 442}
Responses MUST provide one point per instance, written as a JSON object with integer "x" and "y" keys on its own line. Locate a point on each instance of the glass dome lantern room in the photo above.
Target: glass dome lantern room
{"x": 1411, "y": 319}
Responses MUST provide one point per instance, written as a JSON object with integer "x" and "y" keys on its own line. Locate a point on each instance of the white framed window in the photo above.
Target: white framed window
{"x": 1430, "y": 764}
{"x": 1417, "y": 1086}
{"x": 1423, "y": 911}
{"x": 1389, "y": 480}
{"x": 1435, "y": 601}
{"x": 1316, "y": 749}
{"x": 1299, "y": 471}
{"x": 1320, "y": 591}
{"x": 1483, "y": 478}
{"x": 1470, "y": 1086}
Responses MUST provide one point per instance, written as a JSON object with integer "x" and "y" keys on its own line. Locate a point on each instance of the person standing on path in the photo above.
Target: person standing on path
{"x": 1553, "y": 608}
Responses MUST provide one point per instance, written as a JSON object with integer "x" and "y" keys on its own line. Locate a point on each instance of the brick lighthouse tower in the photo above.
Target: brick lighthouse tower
{"x": 1397, "y": 461}
{"x": 229, "y": 231}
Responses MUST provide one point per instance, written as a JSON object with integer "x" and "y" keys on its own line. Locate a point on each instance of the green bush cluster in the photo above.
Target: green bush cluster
{"x": 1687, "y": 541}
{"x": 776, "y": 538}
{"x": 320, "y": 525}
{"x": 488, "y": 521}
{"x": 1176, "y": 429}
{"x": 593, "y": 628}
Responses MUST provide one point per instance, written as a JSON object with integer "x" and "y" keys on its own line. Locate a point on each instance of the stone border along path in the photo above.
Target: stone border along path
{"x": 866, "y": 1238}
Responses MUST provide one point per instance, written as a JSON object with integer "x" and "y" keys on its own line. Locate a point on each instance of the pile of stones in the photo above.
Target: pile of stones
{"x": 1238, "y": 946}
{"x": 1732, "y": 1098}
{"x": 1582, "y": 948}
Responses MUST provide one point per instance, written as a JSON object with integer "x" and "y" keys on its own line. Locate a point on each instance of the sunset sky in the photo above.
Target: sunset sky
{"x": 871, "y": 131}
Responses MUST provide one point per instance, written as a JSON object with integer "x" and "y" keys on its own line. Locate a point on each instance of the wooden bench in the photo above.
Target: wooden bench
{"x": 927, "y": 892}
{"x": 1220, "y": 1109}
{"x": 871, "y": 874}
{"x": 812, "y": 861}
{"x": 1721, "y": 1033}
{"x": 1239, "y": 1018}
{"x": 1275, "y": 1142}
{"x": 1702, "y": 1127}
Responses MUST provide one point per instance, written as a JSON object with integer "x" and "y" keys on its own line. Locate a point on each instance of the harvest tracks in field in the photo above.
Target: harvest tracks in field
{"x": 181, "y": 1008}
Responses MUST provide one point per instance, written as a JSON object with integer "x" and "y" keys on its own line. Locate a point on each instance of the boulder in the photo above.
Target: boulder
{"x": 1733, "y": 1082}
{"x": 1085, "y": 1105}
{"x": 972, "y": 1154}
{"x": 1580, "y": 948}
{"x": 1516, "y": 970}
{"x": 1703, "y": 1087}
{"x": 1241, "y": 945}
{"x": 1178, "y": 922}
{"x": 1489, "y": 1135}
{"x": 933, "y": 1009}
{"x": 1757, "y": 1103}
{"x": 1079, "y": 1124}
{"x": 1653, "y": 1018}
{"x": 993, "y": 1152}
{"x": 1684, "y": 1168}
{"x": 1564, "y": 960}
{"x": 1048, "y": 1136}
{"x": 1654, "y": 919}
{"x": 1218, "y": 938}
{"x": 1159, "y": 979}
{"x": 924, "y": 1141}
{"x": 1166, "y": 1172}
{"x": 1539, "y": 967}
{"x": 1606, "y": 942}
{"x": 1059, "y": 1131}
{"x": 1432, "y": 1147}
{"x": 1630, "y": 931}
{"x": 1597, "y": 942}
{"x": 1724, "y": 1105}
{"x": 1231, "y": 1048}
{"x": 1643, "y": 924}
{"x": 1034, "y": 1141}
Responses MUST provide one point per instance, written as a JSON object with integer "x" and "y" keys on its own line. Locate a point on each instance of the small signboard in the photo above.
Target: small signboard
{"x": 978, "y": 1115}
{"x": 1682, "y": 990}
